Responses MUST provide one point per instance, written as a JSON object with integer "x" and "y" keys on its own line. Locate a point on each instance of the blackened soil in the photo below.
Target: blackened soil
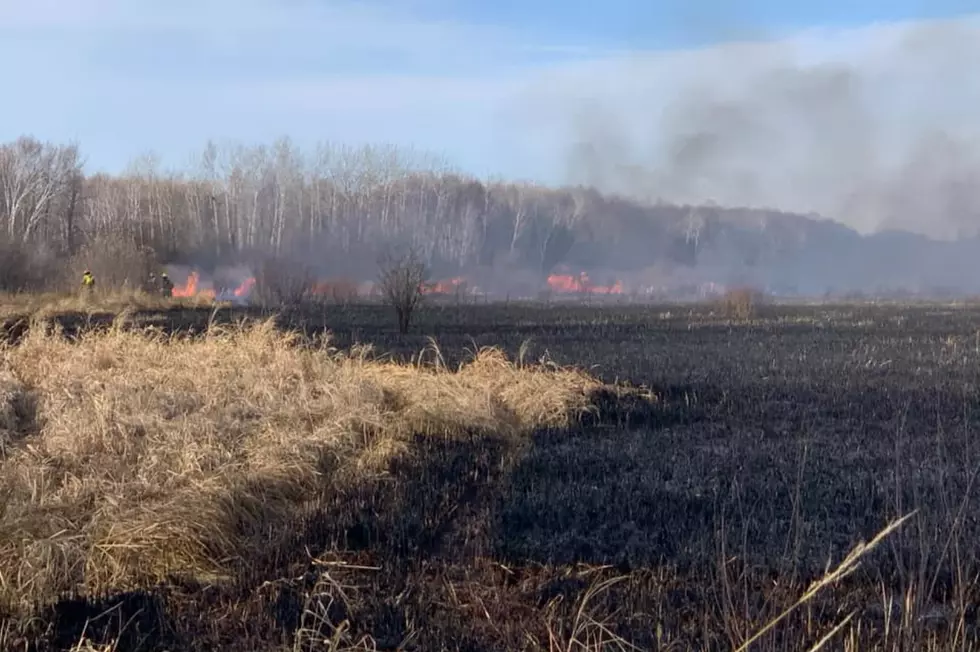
{"x": 711, "y": 491}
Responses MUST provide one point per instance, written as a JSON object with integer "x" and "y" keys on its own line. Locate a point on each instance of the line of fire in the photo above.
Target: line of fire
{"x": 562, "y": 283}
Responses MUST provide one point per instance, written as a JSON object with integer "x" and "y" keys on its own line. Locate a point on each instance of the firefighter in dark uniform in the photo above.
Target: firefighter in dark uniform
{"x": 166, "y": 285}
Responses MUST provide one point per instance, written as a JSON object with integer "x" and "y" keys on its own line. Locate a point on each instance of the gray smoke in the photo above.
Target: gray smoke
{"x": 882, "y": 134}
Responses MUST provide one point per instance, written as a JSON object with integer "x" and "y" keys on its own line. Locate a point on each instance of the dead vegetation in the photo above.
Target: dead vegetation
{"x": 16, "y": 410}
{"x": 55, "y": 304}
{"x": 157, "y": 456}
{"x": 253, "y": 489}
{"x": 740, "y": 303}
{"x": 400, "y": 281}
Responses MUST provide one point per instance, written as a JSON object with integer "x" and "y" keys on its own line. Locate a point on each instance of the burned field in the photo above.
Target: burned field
{"x": 721, "y": 469}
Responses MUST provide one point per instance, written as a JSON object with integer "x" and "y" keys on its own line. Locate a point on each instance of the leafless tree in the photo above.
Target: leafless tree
{"x": 400, "y": 281}
{"x": 342, "y": 205}
{"x": 32, "y": 176}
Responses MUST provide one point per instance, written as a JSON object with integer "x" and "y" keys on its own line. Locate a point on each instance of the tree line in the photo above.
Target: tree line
{"x": 336, "y": 207}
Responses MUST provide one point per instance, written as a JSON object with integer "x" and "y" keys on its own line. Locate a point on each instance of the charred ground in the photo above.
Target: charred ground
{"x": 762, "y": 451}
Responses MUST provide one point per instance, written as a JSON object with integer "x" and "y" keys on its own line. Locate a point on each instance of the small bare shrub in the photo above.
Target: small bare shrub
{"x": 401, "y": 283}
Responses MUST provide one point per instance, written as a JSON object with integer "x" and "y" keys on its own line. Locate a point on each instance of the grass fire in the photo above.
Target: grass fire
{"x": 305, "y": 397}
{"x": 192, "y": 287}
{"x": 581, "y": 283}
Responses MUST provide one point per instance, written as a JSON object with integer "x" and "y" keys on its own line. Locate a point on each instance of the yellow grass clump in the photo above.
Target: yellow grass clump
{"x": 153, "y": 455}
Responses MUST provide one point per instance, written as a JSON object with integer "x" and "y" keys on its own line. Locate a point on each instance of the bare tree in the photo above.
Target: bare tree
{"x": 400, "y": 281}
{"x": 342, "y": 205}
{"x": 32, "y": 174}
{"x": 519, "y": 202}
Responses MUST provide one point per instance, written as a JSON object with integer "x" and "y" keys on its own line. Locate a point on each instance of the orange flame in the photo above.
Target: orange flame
{"x": 189, "y": 288}
{"x": 448, "y": 286}
{"x": 581, "y": 283}
{"x": 615, "y": 288}
{"x": 245, "y": 287}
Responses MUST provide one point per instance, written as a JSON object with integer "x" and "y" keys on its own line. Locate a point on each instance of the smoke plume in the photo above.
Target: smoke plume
{"x": 878, "y": 128}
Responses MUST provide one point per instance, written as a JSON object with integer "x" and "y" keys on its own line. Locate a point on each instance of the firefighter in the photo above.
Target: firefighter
{"x": 152, "y": 285}
{"x": 88, "y": 281}
{"x": 166, "y": 285}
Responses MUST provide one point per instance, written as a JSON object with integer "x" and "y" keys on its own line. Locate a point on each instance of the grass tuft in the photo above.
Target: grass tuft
{"x": 160, "y": 455}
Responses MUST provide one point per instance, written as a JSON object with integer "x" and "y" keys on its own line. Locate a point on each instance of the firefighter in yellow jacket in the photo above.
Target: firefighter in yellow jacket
{"x": 88, "y": 281}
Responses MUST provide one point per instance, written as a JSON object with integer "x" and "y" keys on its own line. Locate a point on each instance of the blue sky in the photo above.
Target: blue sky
{"x": 678, "y": 23}
{"x": 547, "y": 90}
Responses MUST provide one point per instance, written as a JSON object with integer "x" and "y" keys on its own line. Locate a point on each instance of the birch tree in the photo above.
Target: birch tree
{"x": 31, "y": 176}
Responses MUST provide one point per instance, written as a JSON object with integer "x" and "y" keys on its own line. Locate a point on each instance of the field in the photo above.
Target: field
{"x": 617, "y": 477}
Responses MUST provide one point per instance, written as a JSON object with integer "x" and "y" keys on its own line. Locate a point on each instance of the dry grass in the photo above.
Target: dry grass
{"x": 740, "y": 303}
{"x": 156, "y": 456}
{"x": 46, "y": 305}
{"x": 15, "y": 401}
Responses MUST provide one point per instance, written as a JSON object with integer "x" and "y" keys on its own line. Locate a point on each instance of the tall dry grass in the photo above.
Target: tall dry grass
{"x": 740, "y": 303}
{"x": 50, "y": 304}
{"x": 151, "y": 456}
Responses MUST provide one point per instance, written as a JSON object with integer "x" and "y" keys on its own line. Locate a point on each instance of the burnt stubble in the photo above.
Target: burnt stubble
{"x": 727, "y": 465}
